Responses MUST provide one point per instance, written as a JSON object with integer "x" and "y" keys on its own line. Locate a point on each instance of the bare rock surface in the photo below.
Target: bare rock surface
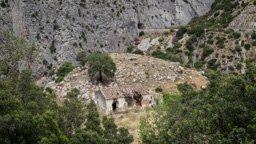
{"x": 62, "y": 28}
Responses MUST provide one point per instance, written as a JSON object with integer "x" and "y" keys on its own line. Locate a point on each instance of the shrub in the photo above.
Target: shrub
{"x": 81, "y": 57}
{"x": 199, "y": 65}
{"x": 55, "y": 27}
{"x": 51, "y": 72}
{"x": 59, "y": 79}
{"x": 141, "y": 33}
{"x": 236, "y": 35}
{"x": 212, "y": 64}
{"x": 210, "y": 41}
{"x": 254, "y": 43}
{"x": 158, "y": 89}
{"x": 207, "y": 51}
{"x": 172, "y": 29}
{"x": 242, "y": 43}
{"x": 239, "y": 66}
{"x": 238, "y": 48}
{"x": 177, "y": 45}
{"x": 3, "y": 5}
{"x": 64, "y": 70}
{"x": 52, "y": 48}
{"x": 166, "y": 56}
{"x": 253, "y": 35}
{"x": 247, "y": 46}
{"x": 161, "y": 39}
{"x": 166, "y": 32}
{"x": 45, "y": 62}
{"x": 231, "y": 68}
{"x": 189, "y": 45}
{"x": 181, "y": 32}
{"x": 130, "y": 48}
{"x": 138, "y": 51}
{"x": 49, "y": 90}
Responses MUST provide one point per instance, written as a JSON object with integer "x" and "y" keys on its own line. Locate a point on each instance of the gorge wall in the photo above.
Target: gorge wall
{"x": 62, "y": 28}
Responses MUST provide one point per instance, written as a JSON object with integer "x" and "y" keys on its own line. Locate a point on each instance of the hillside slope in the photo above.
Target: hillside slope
{"x": 224, "y": 39}
{"x": 148, "y": 71}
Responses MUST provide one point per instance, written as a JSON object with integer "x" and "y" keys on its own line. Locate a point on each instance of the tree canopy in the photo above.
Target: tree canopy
{"x": 224, "y": 112}
{"x": 100, "y": 65}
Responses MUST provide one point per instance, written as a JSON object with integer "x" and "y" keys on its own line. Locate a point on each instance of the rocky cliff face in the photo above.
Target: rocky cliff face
{"x": 62, "y": 28}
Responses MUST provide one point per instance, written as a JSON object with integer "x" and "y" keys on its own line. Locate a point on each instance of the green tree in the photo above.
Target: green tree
{"x": 100, "y": 65}
{"x": 25, "y": 115}
{"x": 71, "y": 115}
{"x": 81, "y": 57}
{"x": 13, "y": 52}
{"x": 93, "y": 118}
{"x": 223, "y": 112}
{"x": 64, "y": 69}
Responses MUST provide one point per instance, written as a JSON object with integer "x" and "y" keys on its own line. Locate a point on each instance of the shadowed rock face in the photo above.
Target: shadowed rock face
{"x": 92, "y": 25}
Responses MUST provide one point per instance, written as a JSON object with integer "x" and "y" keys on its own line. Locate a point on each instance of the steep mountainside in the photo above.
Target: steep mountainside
{"x": 62, "y": 28}
{"x": 224, "y": 39}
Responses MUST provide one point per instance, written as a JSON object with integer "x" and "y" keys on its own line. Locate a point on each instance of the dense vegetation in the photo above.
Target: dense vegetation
{"x": 31, "y": 114}
{"x": 224, "y": 112}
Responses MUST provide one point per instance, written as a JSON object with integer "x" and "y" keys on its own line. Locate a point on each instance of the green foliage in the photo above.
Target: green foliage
{"x": 166, "y": 56}
{"x": 189, "y": 45}
{"x": 236, "y": 35}
{"x": 100, "y": 65}
{"x": 161, "y": 39}
{"x": 254, "y": 43}
{"x": 71, "y": 115}
{"x": 64, "y": 69}
{"x": 172, "y": 29}
{"x": 138, "y": 51}
{"x": 223, "y": 112}
{"x": 166, "y": 32}
{"x": 197, "y": 30}
{"x": 199, "y": 65}
{"x": 253, "y": 35}
{"x": 14, "y": 50}
{"x": 158, "y": 89}
{"x": 170, "y": 98}
{"x": 142, "y": 33}
{"x": 81, "y": 57}
{"x": 130, "y": 48}
{"x": 25, "y": 115}
{"x": 247, "y": 46}
{"x": 181, "y": 32}
{"x": 207, "y": 51}
{"x": 212, "y": 64}
{"x": 3, "y": 4}
{"x": 95, "y": 134}
{"x": 238, "y": 49}
{"x": 52, "y": 47}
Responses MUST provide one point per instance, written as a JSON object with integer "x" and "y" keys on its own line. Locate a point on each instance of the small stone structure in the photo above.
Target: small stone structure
{"x": 120, "y": 98}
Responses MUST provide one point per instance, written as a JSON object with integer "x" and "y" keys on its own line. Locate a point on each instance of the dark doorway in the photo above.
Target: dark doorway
{"x": 114, "y": 106}
{"x": 129, "y": 102}
{"x": 140, "y": 25}
{"x": 138, "y": 99}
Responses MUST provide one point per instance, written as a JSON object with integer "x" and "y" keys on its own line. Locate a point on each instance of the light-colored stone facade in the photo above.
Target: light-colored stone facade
{"x": 121, "y": 100}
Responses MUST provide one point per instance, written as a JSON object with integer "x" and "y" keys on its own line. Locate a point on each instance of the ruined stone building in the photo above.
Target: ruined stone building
{"x": 120, "y": 98}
